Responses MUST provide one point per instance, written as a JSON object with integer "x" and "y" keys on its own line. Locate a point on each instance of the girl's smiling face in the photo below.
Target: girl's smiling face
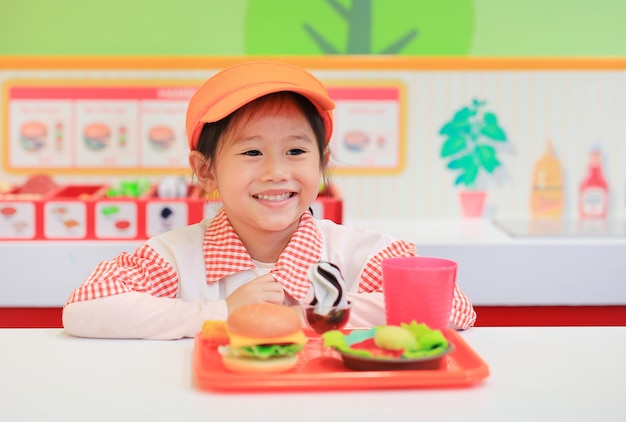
{"x": 267, "y": 169}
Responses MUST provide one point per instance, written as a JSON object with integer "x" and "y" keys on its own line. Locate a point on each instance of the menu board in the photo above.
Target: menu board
{"x": 130, "y": 127}
{"x": 97, "y": 126}
{"x": 369, "y": 124}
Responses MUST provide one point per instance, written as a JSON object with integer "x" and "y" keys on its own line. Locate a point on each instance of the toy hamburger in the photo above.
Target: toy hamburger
{"x": 262, "y": 338}
{"x": 161, "y": 137}
{"x": 33, "y": 136}
{"x": 96, "y": 136}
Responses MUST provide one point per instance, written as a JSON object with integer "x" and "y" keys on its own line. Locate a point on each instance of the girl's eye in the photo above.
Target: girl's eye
{"x": 252, "y": 153}
{"x": 295, "y": 151}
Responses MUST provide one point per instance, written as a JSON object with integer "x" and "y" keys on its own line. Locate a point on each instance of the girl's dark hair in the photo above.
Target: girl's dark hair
{"x": 212, "y": 133}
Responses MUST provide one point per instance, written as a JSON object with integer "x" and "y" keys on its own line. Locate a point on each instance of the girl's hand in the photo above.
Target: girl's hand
{"x": 261, "y": 289}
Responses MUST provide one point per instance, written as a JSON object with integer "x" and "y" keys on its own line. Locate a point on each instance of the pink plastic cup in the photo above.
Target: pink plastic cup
{"x": 419, "y": 289}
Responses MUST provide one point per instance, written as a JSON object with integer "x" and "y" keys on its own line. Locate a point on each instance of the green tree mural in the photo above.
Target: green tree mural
{"x": 358, "y": 19}
{"x": 482, "y": 28}
{"x": 322, "y": 27}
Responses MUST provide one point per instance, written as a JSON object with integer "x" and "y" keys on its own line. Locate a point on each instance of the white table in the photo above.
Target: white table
{"x": 542, "y": 374}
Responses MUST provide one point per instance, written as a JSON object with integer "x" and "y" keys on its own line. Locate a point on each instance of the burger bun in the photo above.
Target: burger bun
{"x": 264, "y": 320}
{"x": 259, "y": 366}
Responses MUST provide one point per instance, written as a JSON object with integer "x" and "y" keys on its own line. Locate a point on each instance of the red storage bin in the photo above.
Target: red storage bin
{"x": 164, "y": 214}
{"x": 121, "y": 218}
{"x": 21, "y": 215}
{"x": 69, "y": 212}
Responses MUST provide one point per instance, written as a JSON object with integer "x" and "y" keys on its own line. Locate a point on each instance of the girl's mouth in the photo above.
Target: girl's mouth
{"x": 275, "y": 198}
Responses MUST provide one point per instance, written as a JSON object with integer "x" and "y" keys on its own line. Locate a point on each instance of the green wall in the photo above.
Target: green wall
{"x": 255, "y": 27}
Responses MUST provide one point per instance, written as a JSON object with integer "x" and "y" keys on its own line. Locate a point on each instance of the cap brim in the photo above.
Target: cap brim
{"x": 242, "y": 96}
{"x": 234, "y": 87}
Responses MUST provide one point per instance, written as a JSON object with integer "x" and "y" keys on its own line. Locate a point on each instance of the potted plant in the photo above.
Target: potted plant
{"x": 470, "y": 147}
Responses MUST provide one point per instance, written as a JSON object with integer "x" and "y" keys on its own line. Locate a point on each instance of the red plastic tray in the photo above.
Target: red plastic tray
{"x": 320, "y": 369}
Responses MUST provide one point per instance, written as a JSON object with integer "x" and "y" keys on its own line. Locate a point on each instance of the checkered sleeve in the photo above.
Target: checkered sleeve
{"x": 463, "y": 313}
{"x": 372, "y": 274}
{"x": 142, "y": 271}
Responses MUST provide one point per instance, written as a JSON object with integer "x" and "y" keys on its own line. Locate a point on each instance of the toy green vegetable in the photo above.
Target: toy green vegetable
{"x": 407, "y": 341}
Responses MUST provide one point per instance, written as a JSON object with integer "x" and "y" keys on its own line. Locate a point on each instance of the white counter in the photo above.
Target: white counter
{"x": 495, "y": 268}
{"x": 544, "y": 374}
{"x": 541, "y": 268}
{"x": 43, "y": 273}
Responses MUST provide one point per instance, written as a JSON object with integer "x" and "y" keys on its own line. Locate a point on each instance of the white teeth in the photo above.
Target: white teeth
{"x": 281, "y": 197}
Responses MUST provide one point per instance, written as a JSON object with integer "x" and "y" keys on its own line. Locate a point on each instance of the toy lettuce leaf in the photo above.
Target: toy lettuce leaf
{"x": 262, "y": 351}
{"x": 429, "y": 342}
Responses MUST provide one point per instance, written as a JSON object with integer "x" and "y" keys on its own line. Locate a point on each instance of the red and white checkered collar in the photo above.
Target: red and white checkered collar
{"x": 225, "y": 254}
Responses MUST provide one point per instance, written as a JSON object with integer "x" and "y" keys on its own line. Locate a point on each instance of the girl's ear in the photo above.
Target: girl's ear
{"x": 204, "y": 172}
{"x": 326, "y": 157}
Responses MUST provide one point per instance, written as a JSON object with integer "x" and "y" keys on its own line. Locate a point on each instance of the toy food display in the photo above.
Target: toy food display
{"x": 33, "y": 135}
{"x": 547, "y": 195}
{"x": 262, "y": 338}
{"x": 408, "y": 346}
{"x": 172, "y": 187}
{"x": 215, "y": 332}
{"x": 593, "y": 200}
{"x": 329, "y": 309}
{"x": 161, "y": 137}
{"x": 356, "y": 140}
{"x": 328, "y": 285}
{"x": 38, "y": 184}
{"x": 96, "y": 136}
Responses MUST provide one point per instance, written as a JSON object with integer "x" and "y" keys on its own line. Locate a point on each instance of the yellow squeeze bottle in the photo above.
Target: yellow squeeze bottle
{"x": 546, "y": 199}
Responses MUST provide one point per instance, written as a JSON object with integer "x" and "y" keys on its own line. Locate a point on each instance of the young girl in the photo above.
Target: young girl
{"x": 258, "y": 134}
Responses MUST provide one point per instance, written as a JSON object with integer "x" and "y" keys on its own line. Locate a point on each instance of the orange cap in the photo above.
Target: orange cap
{"x": 240, "y": 84}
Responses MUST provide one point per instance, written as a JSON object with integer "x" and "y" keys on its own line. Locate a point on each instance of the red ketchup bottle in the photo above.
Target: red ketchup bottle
{"x": 594, "y": 191}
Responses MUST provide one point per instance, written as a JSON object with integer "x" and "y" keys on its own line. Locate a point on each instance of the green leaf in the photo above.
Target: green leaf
{"x": 465, "y": 162}
{"x": 453, "y": 145}
{"x": 494, "y": 132}
{"x": 418, "y": 330}
{"x": 478, "y": 103}
{"x": 463, "y": 114}
{"x": 265, "y": 351}
{"x": 454, "y": 129}
{"x": 468, "y": 177}
{"x": 429, "y": 342}
{"x": 460, "y": 124}
{"x": 334, "y": 338}
{"x": 487, "y": 156}
{"x": 338, "y": 341}
{"x": 490, "y": 119}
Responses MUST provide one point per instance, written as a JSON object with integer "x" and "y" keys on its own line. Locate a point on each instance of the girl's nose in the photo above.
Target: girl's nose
{"x": 275, "y": 168}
